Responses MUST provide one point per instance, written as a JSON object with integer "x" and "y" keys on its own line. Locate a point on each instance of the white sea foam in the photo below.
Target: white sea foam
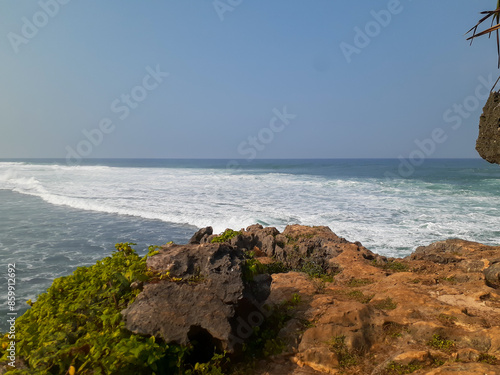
{"x": 389, "y": 217}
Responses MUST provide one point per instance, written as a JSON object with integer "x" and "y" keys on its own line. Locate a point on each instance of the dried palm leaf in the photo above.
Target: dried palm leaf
{"x": 495, "y": 17}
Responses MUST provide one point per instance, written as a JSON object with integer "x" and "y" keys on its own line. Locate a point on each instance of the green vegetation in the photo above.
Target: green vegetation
{"x": 451, "y": 280}
{"x": 226, "y": 236}
{"x": 252, "y": 267}
{"x": 386, "y": 304}
{"x": 196, "y": 278}
{"x": 394, "y": 330}
{"x": 487, "y": 358}
{"x": 264, "y": 341}
{"x": 355, "y": 283}
{"x": 447, "y": 319}
{"x": 391, "y": 265}
{"x": 77, "y": 327}
{"x": 345, "y": 357}
{"x": 319, "y": 286}
{"x": 440, "y": 343}
{"x": 277, "y": 267}
{"x": 437, "y": 362}
{"x": 316, "y": 271}
{"x": 357, "y": 295}
{"x": 296, "y": 299}
{"x": 396, "y": 368}
{"x": 77, "y": 323}
{"x": 311, "y": 268}
{"x": 293, "y": 240}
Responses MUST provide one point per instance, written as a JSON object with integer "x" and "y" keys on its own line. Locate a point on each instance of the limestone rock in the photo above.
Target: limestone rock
{"x": 437, "y": 311}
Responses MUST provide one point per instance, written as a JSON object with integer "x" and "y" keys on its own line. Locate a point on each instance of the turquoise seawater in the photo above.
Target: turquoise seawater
{"x": 56, "y": 217}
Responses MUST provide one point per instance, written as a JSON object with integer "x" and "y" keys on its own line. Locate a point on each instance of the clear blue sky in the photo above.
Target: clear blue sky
{"x": 229, "y": 70}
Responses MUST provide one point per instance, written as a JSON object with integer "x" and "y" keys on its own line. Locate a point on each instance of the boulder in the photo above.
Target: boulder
{"x": 492, "y": 276}
{"x": 200, "y": 235}
{"x": 412, "y": 357}
{"x": 488, "y": 140}
{"x": 199, "y": 295}
{"x": 442, "y": 252}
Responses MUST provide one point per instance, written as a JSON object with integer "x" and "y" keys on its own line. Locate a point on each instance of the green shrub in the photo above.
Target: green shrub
{"x": 226, "y": 236}
{"x": 77, "y": 325}
{"x": 264, "y": 341}
{"x": 394, "y": 330}
{"x": 488, "y": 358}
{"x": 440, "y": 343}
{"x": 252, "y": 267}
{"x": 315, "y": 270}
{"x": 277, "y": 267}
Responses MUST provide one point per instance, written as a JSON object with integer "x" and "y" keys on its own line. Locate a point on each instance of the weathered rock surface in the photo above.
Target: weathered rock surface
{"x": 456, "y": 251}
{"x": 381, "y": 316}
{"x": 200, "y": 296}
{"x": 297, "y": 245}
{"x": 200, "y": 235}
{"x": 492, "y": 275}
{"x": 488, "y": 141}
{"x": 436, "y": 311}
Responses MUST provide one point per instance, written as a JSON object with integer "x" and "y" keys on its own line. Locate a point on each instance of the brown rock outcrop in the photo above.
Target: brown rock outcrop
{"x": 488, "y": 140}
{"x": 492, "y": 275}
{"x": 436, "y": 311}
{"x": 297, "y": 246}
{"x": 420, "y": 314}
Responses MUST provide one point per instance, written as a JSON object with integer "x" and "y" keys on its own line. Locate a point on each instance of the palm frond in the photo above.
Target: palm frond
{"x": 487, "y": 31}
{"x": 495, "y": 18}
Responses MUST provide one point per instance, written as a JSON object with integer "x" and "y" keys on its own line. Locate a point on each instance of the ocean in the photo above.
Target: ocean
{"x": 55, "y": 218}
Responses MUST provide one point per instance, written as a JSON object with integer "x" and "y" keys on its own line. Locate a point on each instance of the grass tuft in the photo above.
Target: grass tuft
{"x": 345, "y": 356}
{"x": 440, "y": 343}
{"x": 386, "y": 304}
